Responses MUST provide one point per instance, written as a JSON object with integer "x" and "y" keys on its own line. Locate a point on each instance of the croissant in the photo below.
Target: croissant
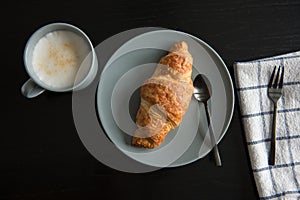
{"x": 165, "y": 97}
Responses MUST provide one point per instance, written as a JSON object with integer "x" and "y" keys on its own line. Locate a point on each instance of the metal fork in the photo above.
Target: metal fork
{"x": 274, "y": 93}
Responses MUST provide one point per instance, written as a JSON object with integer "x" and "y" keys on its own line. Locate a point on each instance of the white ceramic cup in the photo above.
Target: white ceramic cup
{"x": 86, "y": 72}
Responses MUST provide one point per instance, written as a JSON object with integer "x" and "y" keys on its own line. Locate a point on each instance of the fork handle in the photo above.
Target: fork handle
{"x": 273, "y": 138}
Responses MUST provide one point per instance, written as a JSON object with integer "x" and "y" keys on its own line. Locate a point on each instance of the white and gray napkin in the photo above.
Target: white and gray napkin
{"x": 281, "y": 181}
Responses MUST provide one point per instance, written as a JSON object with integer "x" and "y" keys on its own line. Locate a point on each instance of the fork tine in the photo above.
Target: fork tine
{"x": 281, "y": 78}
{"x": 275, "y": 84}
{"x": 272, "y": 77}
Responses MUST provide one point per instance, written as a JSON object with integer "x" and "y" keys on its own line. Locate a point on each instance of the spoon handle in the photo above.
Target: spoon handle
{"x": 213, "y": 139}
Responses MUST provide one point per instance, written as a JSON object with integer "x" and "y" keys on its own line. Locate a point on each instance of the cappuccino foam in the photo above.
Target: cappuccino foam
{"x": 57, "y": 57}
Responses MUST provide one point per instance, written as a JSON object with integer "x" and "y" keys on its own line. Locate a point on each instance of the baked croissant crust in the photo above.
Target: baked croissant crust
{"x": 165, "y": 97}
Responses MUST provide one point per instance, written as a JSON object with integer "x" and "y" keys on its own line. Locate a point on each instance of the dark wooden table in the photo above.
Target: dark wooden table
{"x": 42, "y": 156}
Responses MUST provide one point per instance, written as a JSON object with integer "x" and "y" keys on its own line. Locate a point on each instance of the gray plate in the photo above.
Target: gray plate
{"x": 118, "y": 98}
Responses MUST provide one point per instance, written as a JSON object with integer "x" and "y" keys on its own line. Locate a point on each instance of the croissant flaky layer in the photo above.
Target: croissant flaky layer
{"x": 165, "y": 97}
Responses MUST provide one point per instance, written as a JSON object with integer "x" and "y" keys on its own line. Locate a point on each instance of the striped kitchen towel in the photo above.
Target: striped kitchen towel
{"x": 281, "y": 181}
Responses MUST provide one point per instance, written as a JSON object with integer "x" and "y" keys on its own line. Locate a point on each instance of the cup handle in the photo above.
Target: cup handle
{"x": 30, "y": 89}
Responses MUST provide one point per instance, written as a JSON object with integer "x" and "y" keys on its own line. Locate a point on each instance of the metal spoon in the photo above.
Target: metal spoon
{"x": 202, "y": 94}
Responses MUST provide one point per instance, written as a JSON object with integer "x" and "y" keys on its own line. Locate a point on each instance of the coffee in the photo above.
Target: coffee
{"x": 57, "y": 57}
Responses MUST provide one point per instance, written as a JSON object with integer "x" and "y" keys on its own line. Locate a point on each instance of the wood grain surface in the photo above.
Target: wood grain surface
{"x": 42, "y": 156}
